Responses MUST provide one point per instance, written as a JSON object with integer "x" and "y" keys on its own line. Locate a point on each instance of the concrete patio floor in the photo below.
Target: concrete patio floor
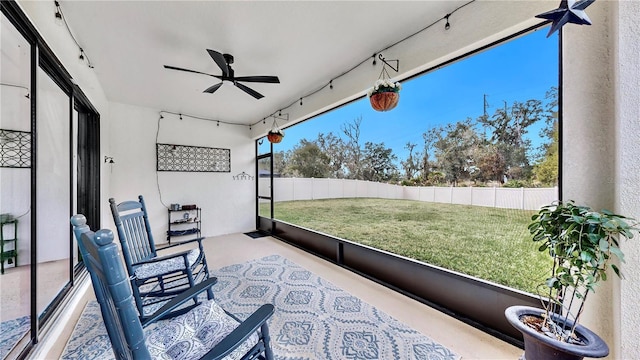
{"x": 461, "y": 338}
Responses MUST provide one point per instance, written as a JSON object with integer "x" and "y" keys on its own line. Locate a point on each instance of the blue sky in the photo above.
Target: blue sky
{"x": 520, "y": 69}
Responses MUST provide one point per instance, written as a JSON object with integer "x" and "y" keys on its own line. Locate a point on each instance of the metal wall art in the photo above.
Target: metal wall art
{"x": 243, "y": 176}
{"x": 192, "y": 158}
{"x": 15, "y": 149}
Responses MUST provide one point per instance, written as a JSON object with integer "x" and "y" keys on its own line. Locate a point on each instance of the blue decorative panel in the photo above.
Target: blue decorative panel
{"x": 192, "y": 158}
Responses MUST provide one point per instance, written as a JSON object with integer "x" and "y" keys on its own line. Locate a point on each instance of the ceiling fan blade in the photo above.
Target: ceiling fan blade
{"x": 219, "y": 59}
{"x": 191, "y": 71}
{"x": 248, "y": 90}
{"x": 213, "y": 88}
{"x": 262, "y": 79}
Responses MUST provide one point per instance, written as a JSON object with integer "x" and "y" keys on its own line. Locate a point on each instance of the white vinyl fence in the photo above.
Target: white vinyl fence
{"x": 289, "y": 189}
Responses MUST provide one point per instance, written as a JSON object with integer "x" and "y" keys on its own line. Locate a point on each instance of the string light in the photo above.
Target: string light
{"x": 447, "y": 26}
{"x": 182, "y": 116}
{"x": 58, "y": 14}
{"x": 61, "y": 20}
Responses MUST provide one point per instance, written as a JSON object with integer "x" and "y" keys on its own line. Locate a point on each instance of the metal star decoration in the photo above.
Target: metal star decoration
{"x": 570, "y": 11}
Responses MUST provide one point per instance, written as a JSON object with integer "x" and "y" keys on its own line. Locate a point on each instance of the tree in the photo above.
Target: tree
{"x": 410, "y": 166}
{"x": 378, "y": 163}
{"x": 545, "y": 171}
{"x": 429, "y": 137}
{"x": 279, "y": 163}
{"x": 491, "y": 164}
{"x": 307, "y": 160}
{"x": 454, "y": 150}
{"x": 352, "y": 149}
{"x": 335, "y": 148}
{"x": 509, "y": 129}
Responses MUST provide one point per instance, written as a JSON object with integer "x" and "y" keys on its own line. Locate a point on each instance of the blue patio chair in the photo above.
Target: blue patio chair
{"x": 155, "y": 279}
{"x": 204, "y": 332}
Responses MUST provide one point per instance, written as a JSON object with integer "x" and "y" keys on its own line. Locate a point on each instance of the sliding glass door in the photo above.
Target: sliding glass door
{"x": 49, "y": 169}
{"x": 15, "y": 186}
{"x": 53, "y": 194}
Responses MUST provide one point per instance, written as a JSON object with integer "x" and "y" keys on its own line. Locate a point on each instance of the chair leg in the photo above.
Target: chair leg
{"x": 268, "y": 353}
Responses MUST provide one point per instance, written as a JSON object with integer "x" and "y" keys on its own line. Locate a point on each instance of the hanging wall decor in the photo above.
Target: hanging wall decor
{"x": 15, "y": 149}
{"x": 192, "y": 158}
{"x": 570, "y": 11}
{"x": 385, "y": 94}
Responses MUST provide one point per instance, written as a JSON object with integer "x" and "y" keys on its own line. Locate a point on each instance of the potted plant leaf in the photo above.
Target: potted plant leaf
{"x": 582, "y": 244}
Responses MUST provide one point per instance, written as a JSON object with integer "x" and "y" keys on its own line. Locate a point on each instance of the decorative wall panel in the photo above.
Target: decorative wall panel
{"x": 15, "y": 149}
{"x": 192, "y": 158}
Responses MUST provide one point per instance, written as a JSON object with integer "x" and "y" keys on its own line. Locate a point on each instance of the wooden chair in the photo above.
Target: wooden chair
{"x": 204, "y": 332}
{"x": 155, "y": 279}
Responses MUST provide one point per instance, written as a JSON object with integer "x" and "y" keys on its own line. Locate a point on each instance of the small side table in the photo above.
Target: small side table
{"x": 8, "y": 246}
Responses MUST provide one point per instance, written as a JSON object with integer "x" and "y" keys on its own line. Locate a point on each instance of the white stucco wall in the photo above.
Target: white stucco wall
{"x": 228, "y": 205}
{"x": 626, "y": 30}
{"x": 601, "y": 155}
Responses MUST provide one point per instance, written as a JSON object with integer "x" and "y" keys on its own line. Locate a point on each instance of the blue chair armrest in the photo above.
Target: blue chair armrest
{"x": 179, "y": 300}
{"x": 241, "y": 333}
{"x": 162, "y": 258}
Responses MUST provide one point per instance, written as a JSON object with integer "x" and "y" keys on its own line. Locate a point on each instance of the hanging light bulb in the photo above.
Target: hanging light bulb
{"x": 58, "y": 14}
{"x": 81, "y": 57}
{"x": 447, "y": 26}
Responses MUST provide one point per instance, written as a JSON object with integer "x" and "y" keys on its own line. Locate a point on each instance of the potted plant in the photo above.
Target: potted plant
{"x": 384, "y": 94}
{"x": 581, "y": 243}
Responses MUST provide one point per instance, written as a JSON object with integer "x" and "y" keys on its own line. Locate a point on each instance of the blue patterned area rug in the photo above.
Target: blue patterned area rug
{"x": 11, "y": 332}
{"x": 314, "y": 319}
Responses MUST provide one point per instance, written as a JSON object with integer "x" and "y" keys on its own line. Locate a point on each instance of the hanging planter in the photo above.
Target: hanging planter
{"x": 384, "y": 94}
{"x": 384, "y": 101}
{"x": 275, "y": 135}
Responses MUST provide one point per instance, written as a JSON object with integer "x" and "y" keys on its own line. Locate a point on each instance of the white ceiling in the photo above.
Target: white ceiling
{"x": 305, "y": 44}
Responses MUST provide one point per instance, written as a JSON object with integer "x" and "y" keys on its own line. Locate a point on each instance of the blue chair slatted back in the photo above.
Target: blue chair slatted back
{"x": 134, "y": 231}
{"x": 112, "y": 290}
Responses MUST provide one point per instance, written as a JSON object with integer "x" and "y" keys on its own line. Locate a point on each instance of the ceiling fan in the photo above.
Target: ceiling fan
{"x": 224, "y": 61}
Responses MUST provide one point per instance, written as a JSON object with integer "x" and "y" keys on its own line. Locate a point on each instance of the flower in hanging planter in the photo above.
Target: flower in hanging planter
{"x": 384, "y": 94}
{"x": 384, "y": 85}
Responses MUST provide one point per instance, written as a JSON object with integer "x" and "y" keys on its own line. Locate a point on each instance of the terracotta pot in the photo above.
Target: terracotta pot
{"x": 384, "y": 101}
{"x": 274, "y": 137}
{"x": 538, "y": 346}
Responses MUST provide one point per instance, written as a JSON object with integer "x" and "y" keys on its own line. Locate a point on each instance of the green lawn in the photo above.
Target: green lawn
{"x": 489, "y": 243}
